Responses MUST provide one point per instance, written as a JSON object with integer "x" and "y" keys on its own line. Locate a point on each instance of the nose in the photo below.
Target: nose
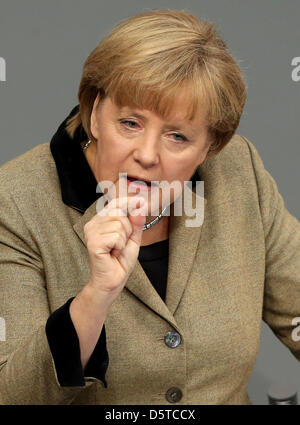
{"x": 146, "y": 151}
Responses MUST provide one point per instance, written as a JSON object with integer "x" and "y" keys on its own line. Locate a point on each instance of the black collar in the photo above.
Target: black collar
{"x": 77, "y": 181}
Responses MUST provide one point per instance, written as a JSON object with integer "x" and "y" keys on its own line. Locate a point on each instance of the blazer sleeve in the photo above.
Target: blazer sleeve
{"x": 281, "y": 304}
{"x": 27, "y": 369}
{"x": 64, "y": 345}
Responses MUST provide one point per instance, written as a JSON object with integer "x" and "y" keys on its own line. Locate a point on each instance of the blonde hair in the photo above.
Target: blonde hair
{"x": 147, "y": 58}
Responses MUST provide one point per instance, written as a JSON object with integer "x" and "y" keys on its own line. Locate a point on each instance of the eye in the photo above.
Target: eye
{"x": 183, "y": 138}
{"x": 127, "y": 121}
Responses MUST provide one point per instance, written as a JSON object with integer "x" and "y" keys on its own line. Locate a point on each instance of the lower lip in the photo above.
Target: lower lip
{"x": 143, "y": 187}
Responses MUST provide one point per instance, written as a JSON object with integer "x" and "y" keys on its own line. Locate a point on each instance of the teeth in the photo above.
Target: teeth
{"x": 133, "y": 179}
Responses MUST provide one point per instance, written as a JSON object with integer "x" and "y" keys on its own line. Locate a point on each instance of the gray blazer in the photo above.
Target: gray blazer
{"x": 241, "y": 266}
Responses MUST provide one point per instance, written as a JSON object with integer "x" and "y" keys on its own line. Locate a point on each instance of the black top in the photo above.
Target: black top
{"x": 78, "y": 188}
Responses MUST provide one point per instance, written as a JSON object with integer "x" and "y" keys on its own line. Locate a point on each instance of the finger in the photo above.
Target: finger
{"x": 117, "y": 217}
{"x": 122, "y": 207}
{"x": 115, "y": 226}
{"x": 109, "y": 241}
{"x": 125, "y": 204}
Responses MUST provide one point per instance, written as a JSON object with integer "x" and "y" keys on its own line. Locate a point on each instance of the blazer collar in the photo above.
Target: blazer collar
{"x": 77, "y": 181}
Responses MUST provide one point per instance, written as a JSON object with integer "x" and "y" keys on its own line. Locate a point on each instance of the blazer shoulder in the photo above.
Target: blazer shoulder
{"x": 235, "y": 159}
{"x": 237, "y": 149}
{"x": 236, "y": 172}
{"x": 263, "y": 178}
{"x": 34, "y": 168}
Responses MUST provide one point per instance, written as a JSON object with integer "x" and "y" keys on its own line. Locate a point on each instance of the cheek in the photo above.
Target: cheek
{"x": 178, "y": 171}
{"x": 111, "y": 146}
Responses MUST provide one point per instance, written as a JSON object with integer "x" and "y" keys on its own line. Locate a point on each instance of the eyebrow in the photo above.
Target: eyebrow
{"x": 170, "y": 126}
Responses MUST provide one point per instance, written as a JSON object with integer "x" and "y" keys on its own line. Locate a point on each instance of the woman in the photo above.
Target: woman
{"x": 121, "y": 301}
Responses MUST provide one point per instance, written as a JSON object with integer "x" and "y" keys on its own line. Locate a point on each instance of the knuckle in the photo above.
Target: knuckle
{"x": 119, "y": 238}
{"x": 118, "y": 225}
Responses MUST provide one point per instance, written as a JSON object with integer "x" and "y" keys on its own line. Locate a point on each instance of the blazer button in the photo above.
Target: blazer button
{"x": 172, "y": 339}
{"x": 174, "y": 394}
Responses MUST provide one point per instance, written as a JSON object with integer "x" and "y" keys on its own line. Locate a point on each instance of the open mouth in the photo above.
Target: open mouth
{"x": 137, "y": 181}
{"x": 141, "y": 185}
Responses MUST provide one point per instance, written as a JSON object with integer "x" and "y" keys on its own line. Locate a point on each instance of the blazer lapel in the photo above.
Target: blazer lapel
{"x": 183, "y": 243}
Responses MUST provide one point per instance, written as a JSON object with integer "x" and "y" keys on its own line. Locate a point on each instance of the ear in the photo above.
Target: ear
{"x": 94, "y": 127}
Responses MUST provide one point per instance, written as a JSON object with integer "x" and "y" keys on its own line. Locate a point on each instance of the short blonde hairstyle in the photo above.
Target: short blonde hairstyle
{"x": 147, "y": 58}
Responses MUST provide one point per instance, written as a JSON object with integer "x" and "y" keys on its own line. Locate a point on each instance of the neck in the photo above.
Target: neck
{"x": 157, "y": 233}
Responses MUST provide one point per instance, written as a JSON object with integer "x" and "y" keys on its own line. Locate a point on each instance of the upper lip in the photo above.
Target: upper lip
{"x": 139, "y": 178}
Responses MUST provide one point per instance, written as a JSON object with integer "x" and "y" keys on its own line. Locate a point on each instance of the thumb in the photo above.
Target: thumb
{"x": 137, "y": 221}
{"x": 128, "y": 255}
